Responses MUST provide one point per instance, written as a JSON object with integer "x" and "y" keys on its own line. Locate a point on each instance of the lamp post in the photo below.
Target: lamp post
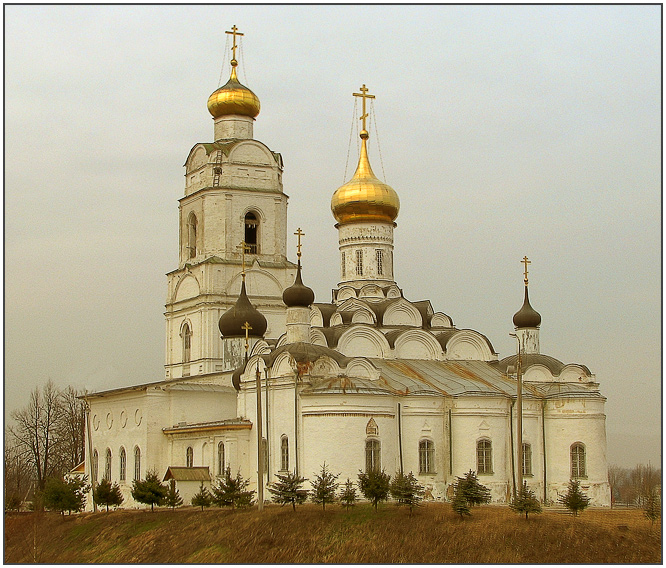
{"x": 519, "y": 403}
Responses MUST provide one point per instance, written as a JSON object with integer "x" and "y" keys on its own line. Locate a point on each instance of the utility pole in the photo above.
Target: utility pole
{"x": 519, "y": 425}
{"x": 260, "y": 447}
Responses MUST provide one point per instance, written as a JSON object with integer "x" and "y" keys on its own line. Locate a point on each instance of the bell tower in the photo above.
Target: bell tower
{"x": 233, "y": 195}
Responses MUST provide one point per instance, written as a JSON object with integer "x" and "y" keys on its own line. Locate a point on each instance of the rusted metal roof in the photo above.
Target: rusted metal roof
{"x": 198, "y": 473}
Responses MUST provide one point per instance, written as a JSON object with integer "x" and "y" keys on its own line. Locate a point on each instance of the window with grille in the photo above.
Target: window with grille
{"x": 189, "y": 457}
{"x": 372, "y": 455}
{"x": 578, "y": 460}
{"x": 284, "y": 453}
{"x": 426, "y": 456}
{"x": 107, "y": 466}
{"x": 220, "y": 458}
{"x": 359, "y": 262}
{"x": 343, "y": 261}
{"x": 137, "y": 464}
{"x": 380, "y": 262}
{"x": 527, "y": 459}
{"x": 123, "y": 464}
{"x": 484, "y": 456}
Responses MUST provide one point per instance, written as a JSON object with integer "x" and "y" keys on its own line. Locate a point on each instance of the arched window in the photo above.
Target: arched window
{"x": 343, "y": 260}
{"x": 123, "y": 464}
{"x": 284, "y": 453}
{"x": 527, "y": 459}
{"x": 252, "y": 233}
{"x": 426, "y": 456}
{"x": 137, "y": 463}
{"x": 192, "y": 235}
{"x": 107, "y": 466}
{"x": 578, "y": 460}
{"x": 189, "y": 457}
{"x": 484, "y": 456}
{"x": 372, "y": 455}
{"x": 380, "y": 262}
{"x": 95, "y": 466}
{"x": 187, "y": 342}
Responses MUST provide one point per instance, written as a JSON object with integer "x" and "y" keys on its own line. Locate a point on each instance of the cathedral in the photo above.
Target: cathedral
{"x": 262, "y": 378}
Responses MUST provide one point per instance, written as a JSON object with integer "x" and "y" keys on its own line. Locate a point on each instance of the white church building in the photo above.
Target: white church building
{"x": 370, "y": 379}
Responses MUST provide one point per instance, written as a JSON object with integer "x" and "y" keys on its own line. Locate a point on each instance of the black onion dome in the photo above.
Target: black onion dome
{"x": 527, "y": 316}
{"x": 232, "y": 321}
{"x": 298, "y": 294}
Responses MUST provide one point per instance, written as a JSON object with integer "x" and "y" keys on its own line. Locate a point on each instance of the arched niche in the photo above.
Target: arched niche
{"x": 418, "y": 344}
{"x": 439, "y": 319}
{"x": 469, "y": 345}
{"x": 401, "y": 312}
{"x": 325, "y": 367}
{"x": 187, "y": 287}
{"x": 260, "y": 348}
{"x": 344, "y": 293}
{"x": 283, "y": 366}
{"x": 362, "y": 369}
{"x": 393, "y": 292}
{"x": 316, "y": 317}
{"x": 197, "y": 158}
{"x": 282, "y": 340}
{"x": 257, "y": 283}
{"x": 371, "y": 291}
{"x": 251, "y": 152}
{"x": 538, "y": 374}
{"x": 364, "y": 315}
{"x": 317, "y": 337}
{"x": 363, "y": 341}
{"x": 574, "y": 374}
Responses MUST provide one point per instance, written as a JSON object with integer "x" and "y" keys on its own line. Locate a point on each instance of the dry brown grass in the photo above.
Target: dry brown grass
{"x": 433, "y": 534}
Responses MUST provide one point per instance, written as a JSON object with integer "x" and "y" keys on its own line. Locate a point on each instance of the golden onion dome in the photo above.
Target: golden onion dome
{"x": 233, "y": 98}
{"x": 364, "y": 198}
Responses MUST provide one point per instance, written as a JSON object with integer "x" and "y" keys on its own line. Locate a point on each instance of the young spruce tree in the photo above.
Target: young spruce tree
{"x": 173, "y": 498}
{"x": 406, "y": 490}
{"x": 525, "y": 502}
{"x": 149, "y": 491}
{"x": 348, "y": 494}
{"x": 232, "y": 491}
{"x": 324, "y": 487}
{"x": 374, "y": 485}
{"x": 202, "y": 498}
{"x": 574, "y": 499}
{"x": 106, "y": 494}
{"x": 287, "y": 490}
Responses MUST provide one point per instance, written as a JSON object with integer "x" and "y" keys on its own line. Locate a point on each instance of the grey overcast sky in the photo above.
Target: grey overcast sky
{"x": 506, "y": 131}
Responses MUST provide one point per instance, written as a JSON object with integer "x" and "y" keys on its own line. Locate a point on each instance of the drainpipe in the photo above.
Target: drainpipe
{"x": 543, "y": 433}
{"x": 450, "y": 446}
{"x": 268, "y": 437}
{"x": 513, "y": 466}
{"x": 400, "y": 436}
{"x": 296, "y": 423}
{"x": 90, "y": 455}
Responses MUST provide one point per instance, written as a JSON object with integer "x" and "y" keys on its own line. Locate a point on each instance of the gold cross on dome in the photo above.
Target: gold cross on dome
{"x": 244, "y": 247}
{"x": 247, "y": 327}
{"x": 525, "y": 262}
{"x": 299, "y": 234}
{"x": 234, "y": 31}
{"x": 364, "y": 95}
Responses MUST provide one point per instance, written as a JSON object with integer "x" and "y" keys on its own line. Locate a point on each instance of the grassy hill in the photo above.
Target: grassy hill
{"x": 433, "y": 534}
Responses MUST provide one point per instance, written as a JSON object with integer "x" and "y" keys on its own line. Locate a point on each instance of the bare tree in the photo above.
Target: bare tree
{"x": 35, "y": 433}
{"x": 71, "y": 428}
{"x": 18, "y": 474}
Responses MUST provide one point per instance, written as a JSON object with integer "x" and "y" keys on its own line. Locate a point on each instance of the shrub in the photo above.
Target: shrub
{"x": 106, "y": 494}
{"x": 324, "y": 487}
{"x": 460, "y": 505}
{"x": 232, "y": 491}
{"x": 473, "y": 492}
{"x": 652, "y": 506}
{"x": 149, "y": 491}
{"x": 374, "y": 485}
{"x": 172, "y": 498}
{"x": 525, "y": 502}
{"x": 574, "y": 499}
{"x": 288, "y": 490}
{"x": 202, "y": 498}
{"x": 348, "y": 494}
{"x": 406, "y": 490}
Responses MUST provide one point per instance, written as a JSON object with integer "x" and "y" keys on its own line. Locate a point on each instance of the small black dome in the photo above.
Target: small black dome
{"x": 232, "y": 321}
{"x": 298, "y": 294}
{"x": 527, "y": 316}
